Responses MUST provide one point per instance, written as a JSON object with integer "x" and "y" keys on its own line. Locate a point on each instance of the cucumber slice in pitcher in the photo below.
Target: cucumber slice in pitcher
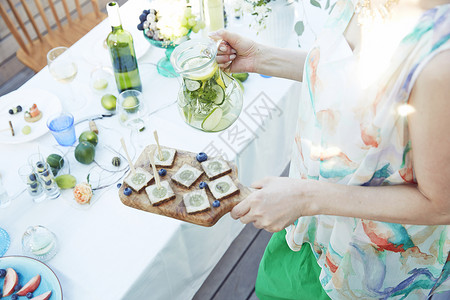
{"x": 220, "y": 94}
{"x": 213, "y": 119}
{"x": 192, "y": 85}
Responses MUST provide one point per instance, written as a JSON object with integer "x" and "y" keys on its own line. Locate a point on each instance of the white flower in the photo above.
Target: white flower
{"x": 247, "y": 8}
{"x": 261, "y": 10}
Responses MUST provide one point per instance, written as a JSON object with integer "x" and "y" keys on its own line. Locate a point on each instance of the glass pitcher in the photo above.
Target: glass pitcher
{"x": 209, "y": 99}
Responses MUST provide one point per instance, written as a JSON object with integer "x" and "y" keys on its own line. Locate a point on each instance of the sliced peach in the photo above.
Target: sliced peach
{"x": 44, "y": 296}
{"x": 11, "y": 280}
{"x": 31, "y": 286}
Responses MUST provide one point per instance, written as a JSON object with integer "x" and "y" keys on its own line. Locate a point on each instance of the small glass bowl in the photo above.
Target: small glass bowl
{"x": 40, "y": 243}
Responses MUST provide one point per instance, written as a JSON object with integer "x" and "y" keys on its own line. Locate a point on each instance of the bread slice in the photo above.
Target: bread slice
{"x": 215, "y": 168}
{"x": 186, "y": 175}
{"x": 196, "y": 201}
{"x": 168, "y": 157}
{"x": 138, "y": 180}
{"x": 223, "y": 187}
{"x": 160, "y": 195}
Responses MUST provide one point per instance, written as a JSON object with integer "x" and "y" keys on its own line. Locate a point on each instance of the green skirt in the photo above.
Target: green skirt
{"x": 286, "y": 274}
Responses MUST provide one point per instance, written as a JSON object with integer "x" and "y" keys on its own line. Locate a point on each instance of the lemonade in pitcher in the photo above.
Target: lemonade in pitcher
{"x": 209, "y": 99}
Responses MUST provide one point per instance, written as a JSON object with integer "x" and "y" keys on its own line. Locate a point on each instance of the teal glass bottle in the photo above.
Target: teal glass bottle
{"x": 121, "y": 49}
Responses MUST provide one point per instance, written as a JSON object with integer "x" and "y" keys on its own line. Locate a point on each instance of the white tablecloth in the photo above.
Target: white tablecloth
{"x": 111, "y": 251}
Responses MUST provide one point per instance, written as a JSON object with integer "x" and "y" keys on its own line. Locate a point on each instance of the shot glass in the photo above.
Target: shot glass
{"x": 131, "y": 109}
{"x": 101, "y": 78}
{"x": 34, "y": 186}
{"x": 62, "y": 127}
{"x": 42, "y": 169}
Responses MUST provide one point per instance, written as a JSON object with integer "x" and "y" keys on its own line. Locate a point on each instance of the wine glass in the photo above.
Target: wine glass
{"x": 63, "y": 68}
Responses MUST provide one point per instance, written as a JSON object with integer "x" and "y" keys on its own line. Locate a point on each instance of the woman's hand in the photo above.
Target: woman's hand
{"x": 235, "y": 53}
{"x": 276, "y": 204}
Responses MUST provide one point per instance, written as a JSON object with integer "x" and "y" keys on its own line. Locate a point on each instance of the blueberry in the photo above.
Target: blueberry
{"x": 19, "y": 108}
{"x": 48, "y": 183}
{"x": 40, "y": 165}
{"x": 14, "y": 297}
{"x": 29, "y": 295}
{"x": 2, "y": 273}
{"x": 143, "y": 17}
{"x": 45, "y": 173}
{"x": 216, "y": 203}
{"x": 11, "y": 112}
{"x": 140, "y": 26}
{"x": 202, "y": 157}
{"x": 147, "y": 11}
{"x": 34, "y": 185}
{"x": 119, "y": 185}
{"x": 162, "y": 172}
{"x": 32, "y": 177}
{"x": 17, "y": 287}
{"x": 202, "y": 185}
{"x": 127, "y": 191}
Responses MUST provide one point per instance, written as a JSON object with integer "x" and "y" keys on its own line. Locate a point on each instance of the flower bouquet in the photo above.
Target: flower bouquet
{"x": 167, "y": 24}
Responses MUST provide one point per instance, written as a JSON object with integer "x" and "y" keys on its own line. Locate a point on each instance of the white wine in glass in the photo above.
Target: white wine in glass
{"x": 64, "y": 69}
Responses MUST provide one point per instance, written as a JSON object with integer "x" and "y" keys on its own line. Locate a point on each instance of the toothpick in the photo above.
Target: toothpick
{"x": 130, "y": 163}
{"x": 151, "y": 156}
{"x": 12, "y": 128}
{"x": 155, "y": 134}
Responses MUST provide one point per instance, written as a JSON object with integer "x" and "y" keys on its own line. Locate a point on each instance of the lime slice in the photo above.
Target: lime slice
{"x": 26, "y": 130}
{"x": 202, "y": 74}
{"x": 220, "y": 94}
{"x": 138, "y": 178}
{"x": 130, "y": 104}
{"x": 192, "y": 85}
{"x": 223, "y": 187}
{"x": 223, "y": 124}
{"x": 159, "y": 192}
{"x": 213, "y": 119}
{"x": 196, "y": 200}
{"x": 100, "y": 84}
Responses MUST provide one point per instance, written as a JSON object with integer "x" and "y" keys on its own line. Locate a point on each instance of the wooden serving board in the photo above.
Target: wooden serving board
{"x": 175, "y": 208}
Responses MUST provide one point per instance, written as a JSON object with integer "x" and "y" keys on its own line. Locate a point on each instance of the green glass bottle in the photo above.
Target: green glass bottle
{"x": 121, "y": 49}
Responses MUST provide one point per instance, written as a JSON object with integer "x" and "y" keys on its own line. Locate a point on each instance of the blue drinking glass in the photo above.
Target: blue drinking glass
{"x": 62, "y": 128}
{"x": 4, "y": 241}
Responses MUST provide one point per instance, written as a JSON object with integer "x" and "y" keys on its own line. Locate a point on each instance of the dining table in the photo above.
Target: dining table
{"x": 107, "y": 250}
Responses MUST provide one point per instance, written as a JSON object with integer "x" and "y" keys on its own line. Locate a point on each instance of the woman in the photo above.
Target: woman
{"x": 368, "y": 196}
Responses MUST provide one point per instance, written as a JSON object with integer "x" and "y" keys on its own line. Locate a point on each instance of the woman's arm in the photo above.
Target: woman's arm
{"x": 280, "y": 201}
{"x": 237, "y": 54}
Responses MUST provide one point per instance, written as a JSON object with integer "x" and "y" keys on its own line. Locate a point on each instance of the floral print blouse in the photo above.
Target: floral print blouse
{"x": 352, "y": 129}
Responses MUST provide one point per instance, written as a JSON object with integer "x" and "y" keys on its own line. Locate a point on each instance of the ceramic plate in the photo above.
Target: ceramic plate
{"x": 47, "y": 103}
{"x": 27, "y": 268}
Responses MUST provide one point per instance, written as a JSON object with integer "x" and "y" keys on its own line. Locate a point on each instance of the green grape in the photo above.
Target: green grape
{"x": 196, "y": 28}
{"x": 201, "y": 24}
{"x": 192, "y": 22}
{"x": 188, "y": 12}
{"x": 184, "y": 21}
